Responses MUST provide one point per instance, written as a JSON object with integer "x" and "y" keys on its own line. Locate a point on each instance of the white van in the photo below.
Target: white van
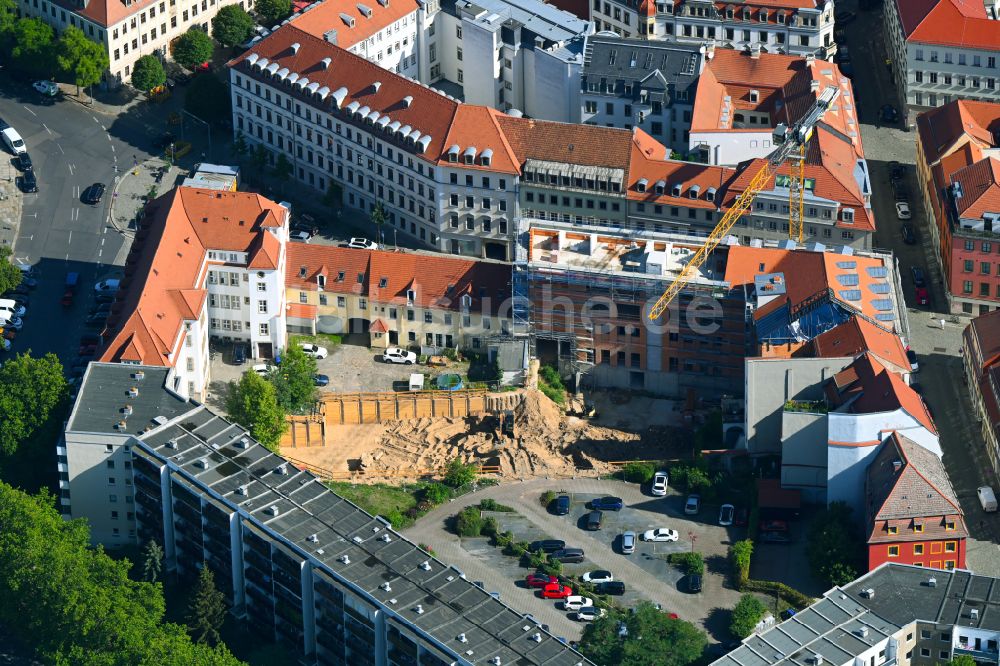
{"x": 416, "y": 382}
{"x": 987, "y": 498}
{"x": 13, "y": 141}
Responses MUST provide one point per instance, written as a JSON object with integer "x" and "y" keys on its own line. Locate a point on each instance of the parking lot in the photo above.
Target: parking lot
{"x": 645, "y": 573}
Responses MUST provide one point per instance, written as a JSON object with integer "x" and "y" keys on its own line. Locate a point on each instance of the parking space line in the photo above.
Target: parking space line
{"x": 46, "y": 128}
{"x": 59, "y": 146}
{"x": 29, "y": 110}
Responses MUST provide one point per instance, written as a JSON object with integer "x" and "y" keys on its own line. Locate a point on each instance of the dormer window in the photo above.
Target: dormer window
{"x": 729, "y": 13}
{"x": 754, "y": 96}
{"x": 383, "y": 283}
{"x": 710, "y": 194}
{"x": 641, "y": 185}
{"x": 746, "y": 14}
{"x": 675, "y": 190}
{"x": 486, "y": 158}
{"x": 453, "y": 154}
{"x": 660, "y": 186}
{"x": 763, "y": 16}
{"x": 340, "y": 276}
{"x": 469, "y": 156}
{"x": 411, "y": 296}
{"x": 361, "y": 278}
{"x": 781, "y": 18}
{"x": 302, "y": 271}
{"x": 693, "y": 192}
{"x": 847, "y": 215}
{"x": 321, "y": 281}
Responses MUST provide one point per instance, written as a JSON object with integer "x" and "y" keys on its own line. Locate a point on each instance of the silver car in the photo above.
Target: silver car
{"x": 628, "y": 542}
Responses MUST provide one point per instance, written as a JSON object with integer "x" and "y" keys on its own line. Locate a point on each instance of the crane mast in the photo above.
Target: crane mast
{"x": 792, "y": 143}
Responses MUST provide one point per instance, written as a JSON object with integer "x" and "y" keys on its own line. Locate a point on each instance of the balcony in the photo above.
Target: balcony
{"x": 982, "y": 655}
{"x": 807, "y": 406}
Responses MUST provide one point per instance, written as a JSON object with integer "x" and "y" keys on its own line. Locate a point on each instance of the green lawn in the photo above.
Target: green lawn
{"x": 377, "y": 498}
{"x": 327, "y": 340}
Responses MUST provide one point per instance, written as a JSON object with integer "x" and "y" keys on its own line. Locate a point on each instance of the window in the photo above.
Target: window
{"x": 428, "y": 317}
{"x": 893, "y": 551}
{"x": 918, "y": 549}
{"x": 918, "y": 528}
{"x": 264, "y": 330}
{"x": 925, "y": 652}
{"x": 950, "y": 546}
{"x": 893, "y": 529}
{"x": 967, "y": 286}
{"x": 262, "y": 307}
{"x": 984, "y": 267}
{"x": 925, "y": 634}
{"x": 968, "y": 265}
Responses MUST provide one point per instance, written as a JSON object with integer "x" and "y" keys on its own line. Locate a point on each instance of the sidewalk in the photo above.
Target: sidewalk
{"x": 10, "y": 203}
{"x": 132, "y": 187}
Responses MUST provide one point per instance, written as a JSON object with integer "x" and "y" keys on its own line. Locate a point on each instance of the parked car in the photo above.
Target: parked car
{"x": 888, "y": 114}
{"x": 628, "y": 542}
{"x": 560, "y": 506}
{"x": 315, "y": 351}
{"x": 918, "y": 276}
{"x": 598, "y": 576}
{"x": 107, "y": 286}
{"x": 546, "y": 545}
{"x": 92, "y": 195}
{"x": 903, "y": 210}
{"x": 920, "y": 295}
{"x": 24, "y": 161}
{"x": 13, "y": 140}
{"x": 239, "y": 354}
{"x": 594, "y": 520}
{"x": 12, "y": 323}
{"x": 47, "y": 88}
{"x": 568, "y": 555}
{"x": 909, "y": 236}
{"x": 28, "y": 182}
{"x": 660, "y": 534}
{"x": 774, "y": 537}
{"x": 659, "y": 488}
{"x": 774, "y": 525}
{"x": 397, "y": 355}
{"x": 575, "y": 602}
{"x": 911, "y": 356}
{"x": 556, "y": 591}
{"x": 607, "y": 504}
{"x": 693, "y": 505}
{"x": 321, "y": 380}
{"x": 726, "y": 512}
{"x": 263, "y": 369}
{"x": 539, "y": 580}
{"x": 694, "y": 583}
{"x": 590, "y": 613}
{"x": 362, "y": 244}
{"x": 615, "y": 587}
{"x": 13, "y": 307}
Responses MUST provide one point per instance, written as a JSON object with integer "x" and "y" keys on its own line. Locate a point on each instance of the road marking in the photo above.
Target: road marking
{"x": 96, "y": 120}
{"x": 104, "y": 238}
{"x": 99, "y": 253}
{"x": 112, "y": 145}
{"x": 71, "y": 167}
{"x": 46, "y": 128}
{"x": 29, "y": 110}
{"x": 59, "y": 146}
{"x": 71, "y": 237}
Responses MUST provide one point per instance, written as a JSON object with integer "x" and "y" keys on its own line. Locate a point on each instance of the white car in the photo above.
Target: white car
{"x": 575, "y": 602}
{"x": 397, "y": 355}
{"x": 46, "y": 88}
{"x": 12, "y": 306}
{"x": 599, "y": 576}
{"x": 313, "y": 350}
{"x": 660, "y": 534}
{"x": 13, "y": 141}
{"x": 263, "y": 369}
{"x": 300, "y": 236}
{"x": 660, "y": 484}
{"x": 726, "y": 512}
{"x": 362, "y": 244}
{"x": 693, "y": 505}
{"x": 903, "y": 210}
{"x": 590, "y": 613}
{"x": 107, "y": 286}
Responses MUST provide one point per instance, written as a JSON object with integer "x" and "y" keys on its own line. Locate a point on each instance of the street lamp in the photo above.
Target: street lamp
{"x": 207, "y": 126}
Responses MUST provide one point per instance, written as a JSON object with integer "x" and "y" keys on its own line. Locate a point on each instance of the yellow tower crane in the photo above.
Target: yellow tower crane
{"x": 791, "y": 142}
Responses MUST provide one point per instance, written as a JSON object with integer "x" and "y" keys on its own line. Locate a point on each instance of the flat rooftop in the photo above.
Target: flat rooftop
{"x": 294, "y": 508}
{"x": 546, "y": 21}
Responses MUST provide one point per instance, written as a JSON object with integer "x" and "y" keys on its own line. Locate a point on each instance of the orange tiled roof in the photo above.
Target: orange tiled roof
{"x": 385, "y": 277}
{"x": 325, "y": 17}
{"x": 567, "y": 142}
{"x": 961, "y": 23}
{"x": 980, "y": 188}
{"x": 105, "y": 12}
{"x": 647, "y": 164}
{"x": 878, "y": 390}
{"x": 301, "y": 310}
{"x": 164, "y": 282}
{"x": 857, "y": 336}
{"x": 940, "y": 129}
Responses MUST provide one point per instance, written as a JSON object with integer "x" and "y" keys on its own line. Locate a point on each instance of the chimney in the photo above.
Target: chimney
{"x": 376, "y": 85}
{"x": 810, "y": 59}
{"x": 407, "y": 101}
{"x": 326, "y": 63}
{"x": 932, "y": 582}
{"x": 755, "y": 51}
{"x": 295, "y": 47}
{"x": 813, "y": 85}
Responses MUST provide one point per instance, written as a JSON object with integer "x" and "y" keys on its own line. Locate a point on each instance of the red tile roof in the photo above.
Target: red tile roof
{"x": 857, "y": 336}
{"x": 982, "y": 341}
{"x": 942, "y": 128}
{"x": 646, "y": 164}
{"x": 326, "y": 16}
{"x": 980, "y": 188}
{"x": 960, "y": 23}
{"x": 164, "y": 283}
{"x": 908, "y": 484}
{"x": 438, "y": 281}
{"x": 876, "y": 389}
{"x": 105, "y": 12}
{"x": 572, "y": 143}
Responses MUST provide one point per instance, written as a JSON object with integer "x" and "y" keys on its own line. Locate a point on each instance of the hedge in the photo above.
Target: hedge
{"x": 789, "y": 594}
{"x": 638, "y": 472}
{"x": 739, "y": 556}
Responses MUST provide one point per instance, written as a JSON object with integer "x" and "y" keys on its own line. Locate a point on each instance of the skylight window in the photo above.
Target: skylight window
{"x": 847, "y": 264}
{"x": 877, "y": 271}
{"x": 848, "y": 279}
{"x": 383, "y": 283}
{"x": 882, "y": 304}
{"x": 879, "y": 288}
{"x": 850, "y": 294}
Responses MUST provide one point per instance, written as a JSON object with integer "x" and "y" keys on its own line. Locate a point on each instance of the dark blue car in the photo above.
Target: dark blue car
{"x": 321, "y": 380}
{"x": 607, "y": 504}
{"x": 561, "y": 505}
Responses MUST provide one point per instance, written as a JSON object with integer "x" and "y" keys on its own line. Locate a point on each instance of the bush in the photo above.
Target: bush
{"x": 468, "y": 522}
{"x": 536, "y": 559}
{"x": 638, "y": 472}
{"x": 427, "y": 549}
{"x": 835, "y": 549}
{"x": 503, "y": 540}
{"x": 739, "y": 556}
{"x": 555, "y": 395}
{"x": 547, "y": 498}
{"x": 790, "y": 595}
{"x": 551, "y": 376}
{"x": 458, "y": 474}
{"x": 551, "y": 567}
{"x": 398, "y": 520}
{"x": 746, "y": 614}
{"x": 436, "y": 493}
{"x": 492, "y": 505}
{"x": 490, "y": 527}
{"x": 516, "y": 548}
{"x": 691, "y": 563}
{"x": 550, "y": 384}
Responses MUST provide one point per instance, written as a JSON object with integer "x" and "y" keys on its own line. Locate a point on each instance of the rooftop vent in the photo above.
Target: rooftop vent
{"x": 868, "y": 593}
{"x": 281, "y": 469}
{"x": 139, "y": 375}
{"x": 462, "y": 639}
{"x": 425, "y": 565}
{"x": 242, "y": 490}
{"x": 160, "y": 420}
{"x": 364, "y": 9}
{"x": 326, "y": 62}
{"x": 386, "y": 538}
{"x": 312, "y": 538}
{"x": 974, "y": 613}
{"x": 862, "y": 632}
{"x": 818, "y": 660}
{"x": 127, "y": 410}
{"x": 171, "y": 444}
{"x": 496, "y": 661}
{"x": 244, "y": 443}
{"x": 345, "y": 559}
{"x": 357, "y": 539}
{"x": 537, "y": 637}
{"x": 120, "y": 425}
{"x": 408, "y": 101}
{"x": 419, "y": 610}
{"x": 386, "y": 587}
{"x": 273, "y": 510}
{"x": 295, "y": 48}
{"x": 133, "y": 392}
{"x": 202, "y": 463}
{"x": 392, "y": 601}
{"x": 376, "y": 85}
{"x": 932, "y": 582}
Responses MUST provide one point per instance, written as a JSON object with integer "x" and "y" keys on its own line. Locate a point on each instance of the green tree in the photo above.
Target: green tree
{"x": 961, "y": 660}
{"x": 282, "y": 169}
{"x": 834, "y": 548}
{"x": 334, "y": 195}
{"x": 191, "y": 49}
{"x": 207, "y": 98}
{"x": 232, "y": 26}
{"x": 253, "y": 403}
{"x": 377, "y": 218}
{"x": 273, "y": 12}
{"x": 8, "y": 15}
{"x": 152, "y": 561}
{"x": 651, "y": 638}
{"x": 240, "y": 146}
{"x": 206, "y": 610}
{"x": 30, "y": 389}
{"x": 75, "y": 605}
{"x": 457, "y": 473}
{"x": 638, "y": 472}
{"x": 10, "y": 275}
{"x": 80, "y": 58}
{"x": 746, "y": 614}
{"x": 32, "y": 44}
{"x": 148, "y": 73}
{"x": 259, "y": 158}
{"x": 469, "y": 522}
{"x": 293, "y": 381}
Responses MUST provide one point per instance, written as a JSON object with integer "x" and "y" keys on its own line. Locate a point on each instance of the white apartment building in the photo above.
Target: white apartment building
{"x": 946, "y": 52}
{"x": 786, "y": 26}
{"x": 206, "y": 264}
{"x": 129, "y": 30}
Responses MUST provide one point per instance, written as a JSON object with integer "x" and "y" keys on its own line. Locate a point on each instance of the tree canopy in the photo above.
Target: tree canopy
{"x": 746, "y": 614}
{"x": 834, "y": 547}
{"x": 232, "y": 26}
{"x": 273, "y": 12}
{"x": 293, "y": 380}
{"x": 208, "y": 99}
{"x": 10, "y": 275}
{"x": 148, "y": 73}
{"x": 75, "y": 605}
{"x": 253, "y": 403}
{"x": 650, "y": 638}
{"x": 207, "y": 609}
{"x": 191, "y": 49}
{"x": 80, "y": 58}
{"x": 32, "y": 45}
{"x": 30, "y": 389}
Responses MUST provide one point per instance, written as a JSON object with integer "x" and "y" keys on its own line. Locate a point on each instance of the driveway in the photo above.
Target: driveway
{"x": 358, "y": 368}
{"x": 641, "y": 572}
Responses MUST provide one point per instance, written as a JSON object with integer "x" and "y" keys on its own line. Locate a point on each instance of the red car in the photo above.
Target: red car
{"x": 774, "y": 526}
{"x": 556, "y": 591}
{"x": 921, "y": 294}
{"x": 539, "y": 580}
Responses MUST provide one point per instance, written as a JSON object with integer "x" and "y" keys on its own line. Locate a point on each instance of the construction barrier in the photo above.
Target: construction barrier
{"x": 330, "y": 475}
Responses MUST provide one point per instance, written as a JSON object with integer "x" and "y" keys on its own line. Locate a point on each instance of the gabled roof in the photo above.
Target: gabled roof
{"x": 867, "y": 387}
{"x": 984, "y": 331}
{"x": 941, "y": 129}
{"x": 857, "y": 336}
{"x": 980, "y": 184}
{"x": 699, "y": 179}
{"x": 571, "y": 143}
{"x": 105, "y": 13}
{"x": 960, "y": 23}
{"x": 325, "y": 17}
{"x": 906, "y": 481}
